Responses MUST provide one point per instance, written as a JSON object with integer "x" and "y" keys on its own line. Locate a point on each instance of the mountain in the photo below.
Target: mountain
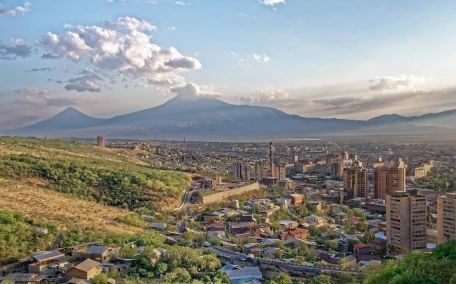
{"x": 203, "y": 118}
{"x": 67, "y": 120}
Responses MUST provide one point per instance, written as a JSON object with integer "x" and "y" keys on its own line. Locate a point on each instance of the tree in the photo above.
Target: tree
{"x": 113, "y": 273}
{"x": 321, "y": 279}
{"x": 127, "y": 252}
{"x": 161, "y": 268}
{"x": 311, "y": 257}
{"x": 215, "y": 241}
{"x": 178, "y": 275}
{"x": 100, "y": 279}
{"x": 281, "y": 278}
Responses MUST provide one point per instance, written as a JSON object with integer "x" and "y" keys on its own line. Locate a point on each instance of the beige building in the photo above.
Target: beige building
{"x": 261, "y": 171}
{"x": 241, "y": 171}
{"x": 337, "y": 167}
{"x": 406, "y": 221}
{"x": 446, "y": 218}
{"x": 389, "y": 179}
{"x": 280, "y": 172}
{"x": 355, "y": 182}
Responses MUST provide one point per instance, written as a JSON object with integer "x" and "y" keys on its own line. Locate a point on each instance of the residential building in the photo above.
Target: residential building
{"x": 337, "y": 167}
{"x": 241, "y": 171}
{"x": 296, "y": 199}
{"x": 356, "y": 183}
{"x": 280, "y": 172}
{"x": 389, "y": 179}
{"x": 406, "y": 221}
{"x": 85, "y": 270}
{"x": 446, "y": 218}
{"x": 97, "y": 253}
{"x": 294, "y": 234}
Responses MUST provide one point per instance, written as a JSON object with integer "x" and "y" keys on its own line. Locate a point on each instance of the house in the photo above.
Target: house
{"x": 78, "y": 281}
{"x": 288, "y": 224}
{"x": 295, "y": 233}
{"x": 362, "y": 249}
{"x": 41, "y": 260}
{"x": 157, "y": 226}
{"x": 213, "y": 216}
{"x": 272, "y": 252}
{"x": 97, "y": 253}
{"x": 24, "y": 278}
{"x": 268, "y": 242}
{"x": 238, "y": 274}
{"x": 215, "y": 230}
{"x": 85, "y": 270}
{"x": 296, "y": 199}
{"x": 314, "y": 220}
{"x": 246, "y": 220}
{"x": 250, "y": 247}
{"x": 314, "y": 205}
{"x": 348, "y": 261}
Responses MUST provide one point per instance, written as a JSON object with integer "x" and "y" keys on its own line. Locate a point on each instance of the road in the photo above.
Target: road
{"x": 185, "y": 200}
{"x": 294, "y": 267}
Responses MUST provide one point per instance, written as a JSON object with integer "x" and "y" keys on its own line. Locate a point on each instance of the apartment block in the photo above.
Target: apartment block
{"x": 406, "y": 221}
{"x": 389, "y": 179}
{"x": 356, "y": 183}
{"x": 241, "y": 171}
{"x": 446, "y": 218}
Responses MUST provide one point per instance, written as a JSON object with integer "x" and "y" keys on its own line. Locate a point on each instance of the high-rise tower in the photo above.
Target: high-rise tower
{"x": 271, "y": 164}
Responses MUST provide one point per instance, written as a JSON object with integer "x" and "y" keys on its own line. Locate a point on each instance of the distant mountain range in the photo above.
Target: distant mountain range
{"x": 202, "y": 118}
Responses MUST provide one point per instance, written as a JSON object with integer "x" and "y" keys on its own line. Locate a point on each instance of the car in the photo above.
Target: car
{"x": 242, "y": 258}
{"x": 207, "y": 244}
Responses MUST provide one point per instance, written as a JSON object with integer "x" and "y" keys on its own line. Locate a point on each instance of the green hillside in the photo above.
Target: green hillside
{"x": 107, "y": 176}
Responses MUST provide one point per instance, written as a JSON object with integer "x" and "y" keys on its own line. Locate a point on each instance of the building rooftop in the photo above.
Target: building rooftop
{"x": 87, "y": 265}
{"x": 96, "y": 250}
{"x": 47, "y": 255}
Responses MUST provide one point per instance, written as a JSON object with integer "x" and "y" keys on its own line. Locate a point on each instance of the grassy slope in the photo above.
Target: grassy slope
{"x": 64, "y": 211}
{"x": 110, "y": 176}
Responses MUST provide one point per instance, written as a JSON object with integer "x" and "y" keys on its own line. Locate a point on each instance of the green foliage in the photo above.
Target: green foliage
{"x": 119, "y": 182}
{"x": 438, "y": 267}
{"x": 281, "y": 278}
{"x": 132, "y": 220}
{"x": 113, "y": 273}
{"x": 19, "y": 237}
{"x": 100, "y": 279}
{"x": 321, "y": 279}
{"x": 215, "y": 241}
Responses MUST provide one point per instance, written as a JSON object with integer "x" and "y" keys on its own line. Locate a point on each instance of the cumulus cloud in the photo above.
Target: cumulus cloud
{"x": 38, "y": 69}
{"x": 17, "y": 49}
{"x": 261, "y": 57}
{"x": 400, "y": 83}
{"x": 269, "y": 97}
{"x": 127, "y": 54}
{"x": 271, "y": 3}
{"x": 181, "y": 3}
{"x": 86, "y": 83}
{"x": 194, "y": 90}
{"x": 131, "y": 24}
{"x": 17, "y": 11}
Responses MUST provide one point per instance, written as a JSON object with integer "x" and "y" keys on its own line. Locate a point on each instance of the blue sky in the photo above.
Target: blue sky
{"x": 327, "y": 58}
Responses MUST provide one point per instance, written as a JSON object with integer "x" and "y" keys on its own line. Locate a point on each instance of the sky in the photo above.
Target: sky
{"x": 352, "y": 59}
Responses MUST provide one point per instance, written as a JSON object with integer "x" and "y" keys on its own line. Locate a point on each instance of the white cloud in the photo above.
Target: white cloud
{"x": 271, "y": 3}
{"x": 400, "y": 83}
{"x": 127, "y": 55}
{"x": 194, "y": 90}
{"x": 18, "y": 49}
{"x": 172, "y": 28}
{"x": 261, "y": 57}
{"x": 181, "y": 3}
{"x": 86, "y": 83}
{"x": 267, "y": 96}
{"x": 30, "y": 92}
{"x": 17, "y": 11}
{"x": 86, "y": 71}
{"x": 131, "y": 24}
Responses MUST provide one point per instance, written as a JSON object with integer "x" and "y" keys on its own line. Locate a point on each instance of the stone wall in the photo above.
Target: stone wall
{"x": 220, "y": 196}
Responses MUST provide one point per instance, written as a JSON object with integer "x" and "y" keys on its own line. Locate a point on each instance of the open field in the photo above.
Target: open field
{"x": 64, "y": 211}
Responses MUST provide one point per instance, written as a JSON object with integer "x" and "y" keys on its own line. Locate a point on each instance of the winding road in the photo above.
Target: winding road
{"x": 295, "y": 267}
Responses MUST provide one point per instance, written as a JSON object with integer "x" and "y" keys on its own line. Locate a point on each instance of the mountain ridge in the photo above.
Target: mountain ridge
{"x": 211, "y": 118}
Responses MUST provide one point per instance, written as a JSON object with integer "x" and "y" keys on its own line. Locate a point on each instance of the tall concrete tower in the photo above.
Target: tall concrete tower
{"x": 271, "y": 158}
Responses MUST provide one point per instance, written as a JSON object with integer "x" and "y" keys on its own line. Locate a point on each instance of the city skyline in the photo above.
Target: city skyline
{"x": 328, "y": 59}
